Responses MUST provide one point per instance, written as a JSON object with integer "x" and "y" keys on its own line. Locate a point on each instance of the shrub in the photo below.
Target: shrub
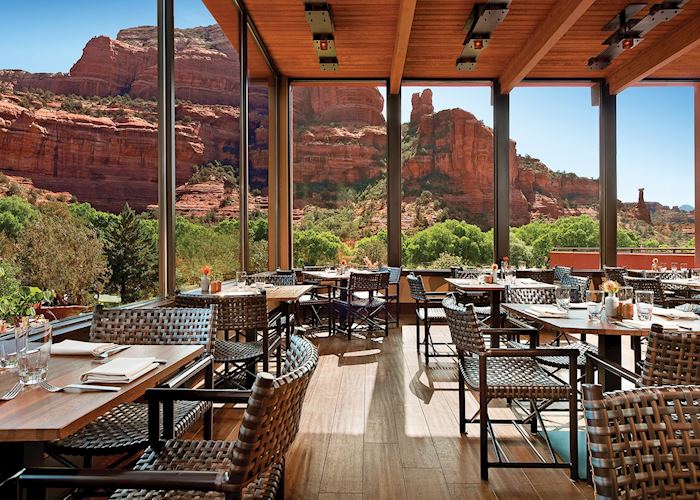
{"x": 312, "y": 248}
{"x": 373, "y": 248}
{"x": 15, "y": 214}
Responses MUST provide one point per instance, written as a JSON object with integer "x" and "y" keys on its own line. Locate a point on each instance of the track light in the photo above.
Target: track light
{"x": 484, "y": 18}
{"x": 318, "y": 15}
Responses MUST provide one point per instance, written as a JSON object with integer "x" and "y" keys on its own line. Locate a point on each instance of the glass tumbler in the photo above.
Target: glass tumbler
{"x": 594, "y": 304}
{"x": 563, "y": 296}
{"x": 33, "y": 352}
{"x": 645, "y": 304}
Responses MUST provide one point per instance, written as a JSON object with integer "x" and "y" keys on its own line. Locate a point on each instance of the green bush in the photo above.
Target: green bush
{"x": 15, "y": 214}
{"x": 313, "y": 248}
{"x": 454, "y": 237}
{"x": 373, "y": 248}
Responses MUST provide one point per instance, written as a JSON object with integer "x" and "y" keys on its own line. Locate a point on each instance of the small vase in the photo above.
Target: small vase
{"x": 204, "y": 283}
{"x": 611, "y": 304}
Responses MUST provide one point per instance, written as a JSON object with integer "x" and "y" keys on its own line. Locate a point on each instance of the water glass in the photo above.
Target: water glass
{"x": 645, "y": 304}
{"x": 33, "y": 351}
{"x": 563, "y": 296}
{"x": 663, "y": 267}
{"x": 510, "y": 275}
{"x": 594, "y": 304}
{"x": 522, "y": 264}
{"x": 240, "y": 278}
{"x": 674, "y": 266}
{"x": 625, "y": 294}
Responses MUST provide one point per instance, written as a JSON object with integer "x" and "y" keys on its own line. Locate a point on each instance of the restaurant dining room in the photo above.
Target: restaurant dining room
{"x": 342, "y": 249}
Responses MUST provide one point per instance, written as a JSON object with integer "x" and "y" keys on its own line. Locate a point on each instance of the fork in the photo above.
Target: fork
{"x": 77, "y": 387}
{"x": 16, "y": 389}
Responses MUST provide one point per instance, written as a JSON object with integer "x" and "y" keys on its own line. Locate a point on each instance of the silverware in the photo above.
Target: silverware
{"x": 114, "y": 350}
{"x": 16, "y": 389}
{"x": 620, "y": 323}
{"x": 77, "y": 387}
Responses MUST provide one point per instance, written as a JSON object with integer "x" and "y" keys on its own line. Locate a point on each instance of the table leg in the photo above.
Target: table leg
{"x": 495, "y": 316}
{"x": 288, "y": 326}
{"x": 610, "y": 348}
{"x": 15, "y": 456}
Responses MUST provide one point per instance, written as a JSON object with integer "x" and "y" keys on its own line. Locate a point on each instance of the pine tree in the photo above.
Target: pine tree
{"x": 132, "y": 255}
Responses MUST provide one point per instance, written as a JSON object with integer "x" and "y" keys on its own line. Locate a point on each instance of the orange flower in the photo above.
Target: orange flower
{"x": 654, "y": 260}
{"x": 494, "y": 266}
{"x": 610, "y": 286}
{"x": 506, "y": 259}
{"x": 343, "y": 262}
{"x": 206, "y": 270}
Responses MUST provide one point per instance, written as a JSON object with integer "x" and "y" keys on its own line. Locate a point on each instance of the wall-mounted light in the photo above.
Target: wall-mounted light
{"x": 483, "y": 20}
{"x": 318, "y": 16}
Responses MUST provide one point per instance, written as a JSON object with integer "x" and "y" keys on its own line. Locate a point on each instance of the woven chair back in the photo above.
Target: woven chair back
{"x": 666, "y": 275}
{"x": 644, "y": 443}
{"x": 367, "y": 281}
{"x": 464, "y": 326}
{"x": 672, "y": 358}
{"x": 578, "y": 284}
{"x": 561, "y": 271}
{"x": 415, "y": 285}
{"x": 394, "y": 274}
{"x": 649, "y": 284}
{"x": 271, "y": 419}
{"x": 541, "y": 275}
{"x": 472, "y": 273}
{"x": 158, "y": 325}
{"x": 233, "y": 312}
{"x": 615, "y": 273}
{"x": 454, "y": 270}
{"x": 530, "y": 295}
{"x": 272, "y": 279}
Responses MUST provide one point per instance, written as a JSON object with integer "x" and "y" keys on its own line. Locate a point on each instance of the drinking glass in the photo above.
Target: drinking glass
{"x": 33, "y": 351}
{"x": 645, "y": 304}
{"x": 563, "y": 296}
{"x": 594, "y": 304}
{"x": 625, "y": 294}
{"x": 510, "y": 275}
{"x": 663, "y": 267}
{"x": 674, "y": 266}
{"x": 522, "y": 264}
{"x": 240, "y": 278}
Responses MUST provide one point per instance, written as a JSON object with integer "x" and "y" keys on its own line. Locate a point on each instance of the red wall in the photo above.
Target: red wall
{"x": 591, "y": 260}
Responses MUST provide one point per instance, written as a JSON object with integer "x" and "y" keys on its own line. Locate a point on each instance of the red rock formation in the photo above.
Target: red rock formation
{"x": 642, "y": 208}
{"x": 421, "y": 105}
{"x": 336, "y": 106}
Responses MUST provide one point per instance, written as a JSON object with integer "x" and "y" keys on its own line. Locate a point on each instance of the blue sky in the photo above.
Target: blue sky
{"x": 557, "y": 125}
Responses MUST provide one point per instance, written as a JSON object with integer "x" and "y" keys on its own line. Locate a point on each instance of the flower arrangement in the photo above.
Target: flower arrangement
{"x": 654, "y": 264}
{"x": 369, "y": 264}
{"x": 494, "y": 267}
{"x": 343, "y": 262}
{"x": 206, "y": 271}
{"x": 611, "y": 287}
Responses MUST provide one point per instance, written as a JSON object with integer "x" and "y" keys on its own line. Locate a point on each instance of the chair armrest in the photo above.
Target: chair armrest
{"x": 182, "y": 394}
{"x": 190, "y": 371}
{"x": 533, "y": 333}
{"x": 593, "y": 360}
{"x": 110, "y": 478}
{"x": 528, "y": 353}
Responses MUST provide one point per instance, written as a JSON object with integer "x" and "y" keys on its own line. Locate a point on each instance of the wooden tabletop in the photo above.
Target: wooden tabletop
{"x": 334, "y": 275}
{"x": 287, "y": 293}
{"x": 474, "y": 285}
{"x": 578, "y": 322}
{"x": 39, "y": 415}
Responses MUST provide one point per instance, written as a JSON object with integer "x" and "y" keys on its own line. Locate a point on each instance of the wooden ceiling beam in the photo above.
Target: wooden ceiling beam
{"x": 403, "y": 34}
{"x": 648, "y": 60}
{"x": 559, "y": 20}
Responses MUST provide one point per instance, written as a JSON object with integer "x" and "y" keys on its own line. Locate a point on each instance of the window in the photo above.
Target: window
{"x": 339, "y": 169}
{"x": 207, "y": 140}
{"x": 447, "y": 176}
{"x": 554, "y": 177}
{"x": 655, "y": 171}
{"x": 78, "y": 152}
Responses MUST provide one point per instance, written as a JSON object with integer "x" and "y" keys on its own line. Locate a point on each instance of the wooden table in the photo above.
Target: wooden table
{"x": 609, "y": 334}
{"x": 689, "y": 283}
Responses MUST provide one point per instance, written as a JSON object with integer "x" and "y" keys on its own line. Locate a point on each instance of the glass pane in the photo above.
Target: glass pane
{"x": 261, "y": 88}
{"x": 554, "y": 177}
{"x": 655, "y": 171}
{"x": 447, "y": 175}
{"x": 78, "y": 150}
{"x": 339, "y": 155}
{"x": 207, "y": 139}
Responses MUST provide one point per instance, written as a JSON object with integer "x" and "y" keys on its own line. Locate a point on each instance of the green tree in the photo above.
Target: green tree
{"x": 132, "y": 256}
{"x": 373, "y": 248}
{"x": 15, "y": 214}
{"x": 454, "y": 237}
{"x": 95, "y": 219}
{"x": 316, "y": 248}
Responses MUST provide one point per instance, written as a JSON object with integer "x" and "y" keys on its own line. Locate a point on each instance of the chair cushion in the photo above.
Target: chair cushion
{"x": 124, "y": 429}
{"x": 434, "y": 313}
{"x": 513, "y": 378}
{"x": 213, "y": 456}
{"x": 226, "y": 350}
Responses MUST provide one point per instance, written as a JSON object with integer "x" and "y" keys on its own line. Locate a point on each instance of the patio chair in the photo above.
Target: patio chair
{"x": 251, "y": 467}
{"x": 615, "y": 273}
{"x": 579, "y": 285}
{"x": 428, "y": 310}
{"x": 123, "y": 430}
{"x": 518, "y": 295}
{"x": 644, "y": 442}
{"x": 561, "y": 271}
{"x": 660, "y": 297}
{"x": 272, "y": 279}
{"x": 508, "y": 374}
{"x": 317, "y": 305}
{"x": 393, "y": 292}
{"x": 481, "y": 300}
{"x": 541, "y": 275}
{"x": 239, "y": 316}
{"x": 361, "y": 304}
{"x": 680, "y": 290}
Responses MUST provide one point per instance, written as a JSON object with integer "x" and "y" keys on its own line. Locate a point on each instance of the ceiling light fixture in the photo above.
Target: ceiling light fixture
{"x": 483, "y": 20}
{"x": 629, "y": 32}
{"x": 318, "y": 16}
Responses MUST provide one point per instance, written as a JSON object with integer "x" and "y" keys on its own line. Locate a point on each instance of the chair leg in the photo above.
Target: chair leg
{"x": 483, "y": 433}
{"x": 417, "y": 333}
{"x": 426, "y": 340}
{"x": 462, "y": 404}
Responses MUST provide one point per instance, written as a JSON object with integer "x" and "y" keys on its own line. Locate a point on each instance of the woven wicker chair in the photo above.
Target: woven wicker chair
{"x": 541, "y": 275}
{"x": 615, "y": 273}
{"x": 317, "y": 306}
{"x": 579, "y": 285}
{"x": 123, "y": 430}
{"x": 507, "y": 374}
{"x": 530, "y": 295}
{"x": 561, "y": 271}
{"x": 393, "y": 292}
{"x": 272, "y": 279}
{"x": 361, "y": 302}
{"x": 239, "y": 316}
{"x": 644, "y": 442}
{"x": 654, "y": 285}
{"x": 428, "y": 310}
{"x": 251, "y": 467}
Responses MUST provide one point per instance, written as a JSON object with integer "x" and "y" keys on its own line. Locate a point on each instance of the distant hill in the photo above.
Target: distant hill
{"x": 686, "y": 208}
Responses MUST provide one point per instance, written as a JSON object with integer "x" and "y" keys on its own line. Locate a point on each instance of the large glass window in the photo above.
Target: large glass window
{"x": 207, "y": 140}
{"x": 554, "y": 177}
{"x": 339, "y": 168}
{"x": 655, "y": 171}
{"x": 447, "y": 176}
{"x": 78, "y": 151}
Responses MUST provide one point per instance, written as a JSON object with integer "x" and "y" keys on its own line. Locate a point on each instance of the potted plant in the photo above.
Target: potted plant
{"x": 204, "y": 280}
{"x": 611, "y": 288}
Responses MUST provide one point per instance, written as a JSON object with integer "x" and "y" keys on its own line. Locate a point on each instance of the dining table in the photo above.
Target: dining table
{"x": 36, "y": 416}
{"x": 577, "y": 321}
{"x": 691, "y": 284}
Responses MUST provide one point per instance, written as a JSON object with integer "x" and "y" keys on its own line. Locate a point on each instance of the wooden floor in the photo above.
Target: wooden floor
{"x": 377, "y": 425}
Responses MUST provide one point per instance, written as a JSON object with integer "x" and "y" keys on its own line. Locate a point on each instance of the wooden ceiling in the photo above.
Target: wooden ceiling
{"x": 368, "y": 35}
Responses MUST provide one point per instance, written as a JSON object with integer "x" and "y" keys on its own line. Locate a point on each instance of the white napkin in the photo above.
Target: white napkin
{"x": 674, "y": 313}
{"x": 646, "y": 325}
{"x": 578, "y": 305}
{"x": 119, "y": 371}
{"x": 80, "y": 348}
{"x": 548, "y": 311}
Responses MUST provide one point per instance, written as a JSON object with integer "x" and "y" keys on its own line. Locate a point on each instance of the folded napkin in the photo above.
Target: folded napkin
{"x": 548, "y": 311}
{"x": 79, "y": 348}
{"x": 119, "y": 371}
{"x": 674, "y": 313}
{"x": 646, "y": 325}
{"x": 578, "y": 305}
